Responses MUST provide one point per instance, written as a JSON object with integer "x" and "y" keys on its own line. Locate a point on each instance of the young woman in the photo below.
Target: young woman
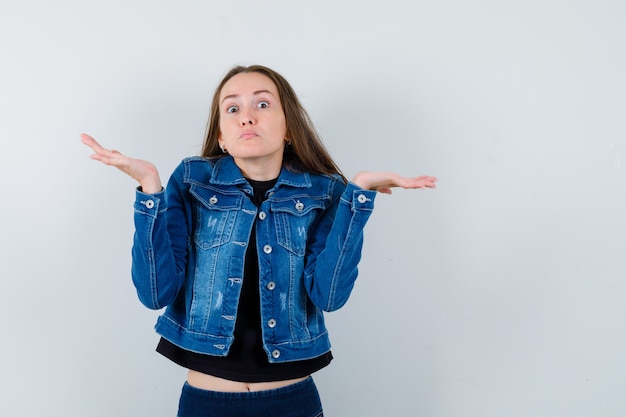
{"x": 246, "y": 247}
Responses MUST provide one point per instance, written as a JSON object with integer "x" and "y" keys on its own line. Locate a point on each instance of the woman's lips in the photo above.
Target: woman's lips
{"x": 248, "y": 135}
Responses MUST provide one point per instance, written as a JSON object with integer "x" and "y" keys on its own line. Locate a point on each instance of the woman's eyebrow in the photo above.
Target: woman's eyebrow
{"x": 256, "y": 93}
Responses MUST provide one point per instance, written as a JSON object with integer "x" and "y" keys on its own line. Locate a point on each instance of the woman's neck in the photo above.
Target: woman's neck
{"x": 259, "y": 171}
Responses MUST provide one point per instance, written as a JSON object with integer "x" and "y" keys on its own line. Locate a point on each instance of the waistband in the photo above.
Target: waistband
{"x": 289, "y": 390}
{"x": 295, "y": 400}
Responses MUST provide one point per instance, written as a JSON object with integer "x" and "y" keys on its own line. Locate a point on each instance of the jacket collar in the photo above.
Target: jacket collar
{"x": 226, "y": 172}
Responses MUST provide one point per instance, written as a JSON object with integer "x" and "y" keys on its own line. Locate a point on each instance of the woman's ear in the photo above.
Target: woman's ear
{"x": 221, "y": 144}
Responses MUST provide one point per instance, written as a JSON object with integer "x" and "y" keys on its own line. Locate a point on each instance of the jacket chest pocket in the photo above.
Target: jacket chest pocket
{"x": 293, "y": 219}
{"x": 216, "y": 215}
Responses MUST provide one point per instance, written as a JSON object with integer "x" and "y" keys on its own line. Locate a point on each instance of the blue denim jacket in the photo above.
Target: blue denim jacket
{"x": 189, "y": 251}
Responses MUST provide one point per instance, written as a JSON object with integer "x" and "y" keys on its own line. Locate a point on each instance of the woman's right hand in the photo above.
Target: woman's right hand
{"x": 142, "y": 171}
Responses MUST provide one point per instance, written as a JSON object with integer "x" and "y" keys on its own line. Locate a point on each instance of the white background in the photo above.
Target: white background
{"x": 501, "y": 293}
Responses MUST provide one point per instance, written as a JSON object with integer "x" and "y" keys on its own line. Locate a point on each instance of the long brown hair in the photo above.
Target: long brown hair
{"x": 304, "y": 150}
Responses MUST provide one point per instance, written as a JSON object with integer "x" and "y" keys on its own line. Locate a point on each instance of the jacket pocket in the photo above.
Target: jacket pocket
{"x": 294, "y": 218}
{"x": 216, "y": 213}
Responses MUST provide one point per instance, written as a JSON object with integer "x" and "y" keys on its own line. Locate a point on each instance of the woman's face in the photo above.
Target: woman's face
{"x": 252, "y": 124}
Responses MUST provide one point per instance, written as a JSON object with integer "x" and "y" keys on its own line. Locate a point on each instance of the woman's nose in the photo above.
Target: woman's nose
{"x": 246, "y": 118}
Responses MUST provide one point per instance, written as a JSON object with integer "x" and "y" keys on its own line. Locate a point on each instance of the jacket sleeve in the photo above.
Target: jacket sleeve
{"x": 159, "y": 252}
{"x": 334, "y": 248}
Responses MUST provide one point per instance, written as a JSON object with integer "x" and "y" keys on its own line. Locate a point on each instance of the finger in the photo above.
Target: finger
{"x": 426, "y": 180}
{"x": 103, "y": 158}
{"x": 417, "y": 182}
{"x": 89, "y": 141}
{"x": 85, "y": 137}
{"x": 93, "y": 144}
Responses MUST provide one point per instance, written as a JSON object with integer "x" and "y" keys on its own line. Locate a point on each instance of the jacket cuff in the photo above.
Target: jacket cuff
{"x": 149, "y": 204}
{"x": 358, "y": 198}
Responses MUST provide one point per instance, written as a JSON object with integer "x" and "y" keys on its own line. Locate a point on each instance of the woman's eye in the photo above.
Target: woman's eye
{"x": 263, "y": 104}
{"x": 231, "y": 109}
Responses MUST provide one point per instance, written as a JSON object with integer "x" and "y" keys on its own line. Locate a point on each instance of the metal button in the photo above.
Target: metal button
{"x": 267, "y": 249}
{"x": 149, "y": 204}
{"x": 299, "y": 206}
{"x": 212, "y": 200}
{"x": 262, "y": 215}
{"x": 276, "y": 354}
{"x": 361, "y": 198}
{"x": 271, "y": 323}
{"x": 271, "y": 285}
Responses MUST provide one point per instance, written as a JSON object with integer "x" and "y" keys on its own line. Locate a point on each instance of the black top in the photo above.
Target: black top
{"x": 246, "y": 360}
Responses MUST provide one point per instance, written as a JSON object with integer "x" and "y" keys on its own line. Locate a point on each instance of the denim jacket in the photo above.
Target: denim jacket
{"x": 189, "y": 250}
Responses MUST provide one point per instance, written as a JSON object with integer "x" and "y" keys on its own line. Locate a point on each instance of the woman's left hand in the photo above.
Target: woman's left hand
{"x": 384, "y": 181}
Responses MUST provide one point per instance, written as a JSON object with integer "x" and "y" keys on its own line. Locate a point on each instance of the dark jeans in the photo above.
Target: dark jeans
{"x": 298, "y": 400}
